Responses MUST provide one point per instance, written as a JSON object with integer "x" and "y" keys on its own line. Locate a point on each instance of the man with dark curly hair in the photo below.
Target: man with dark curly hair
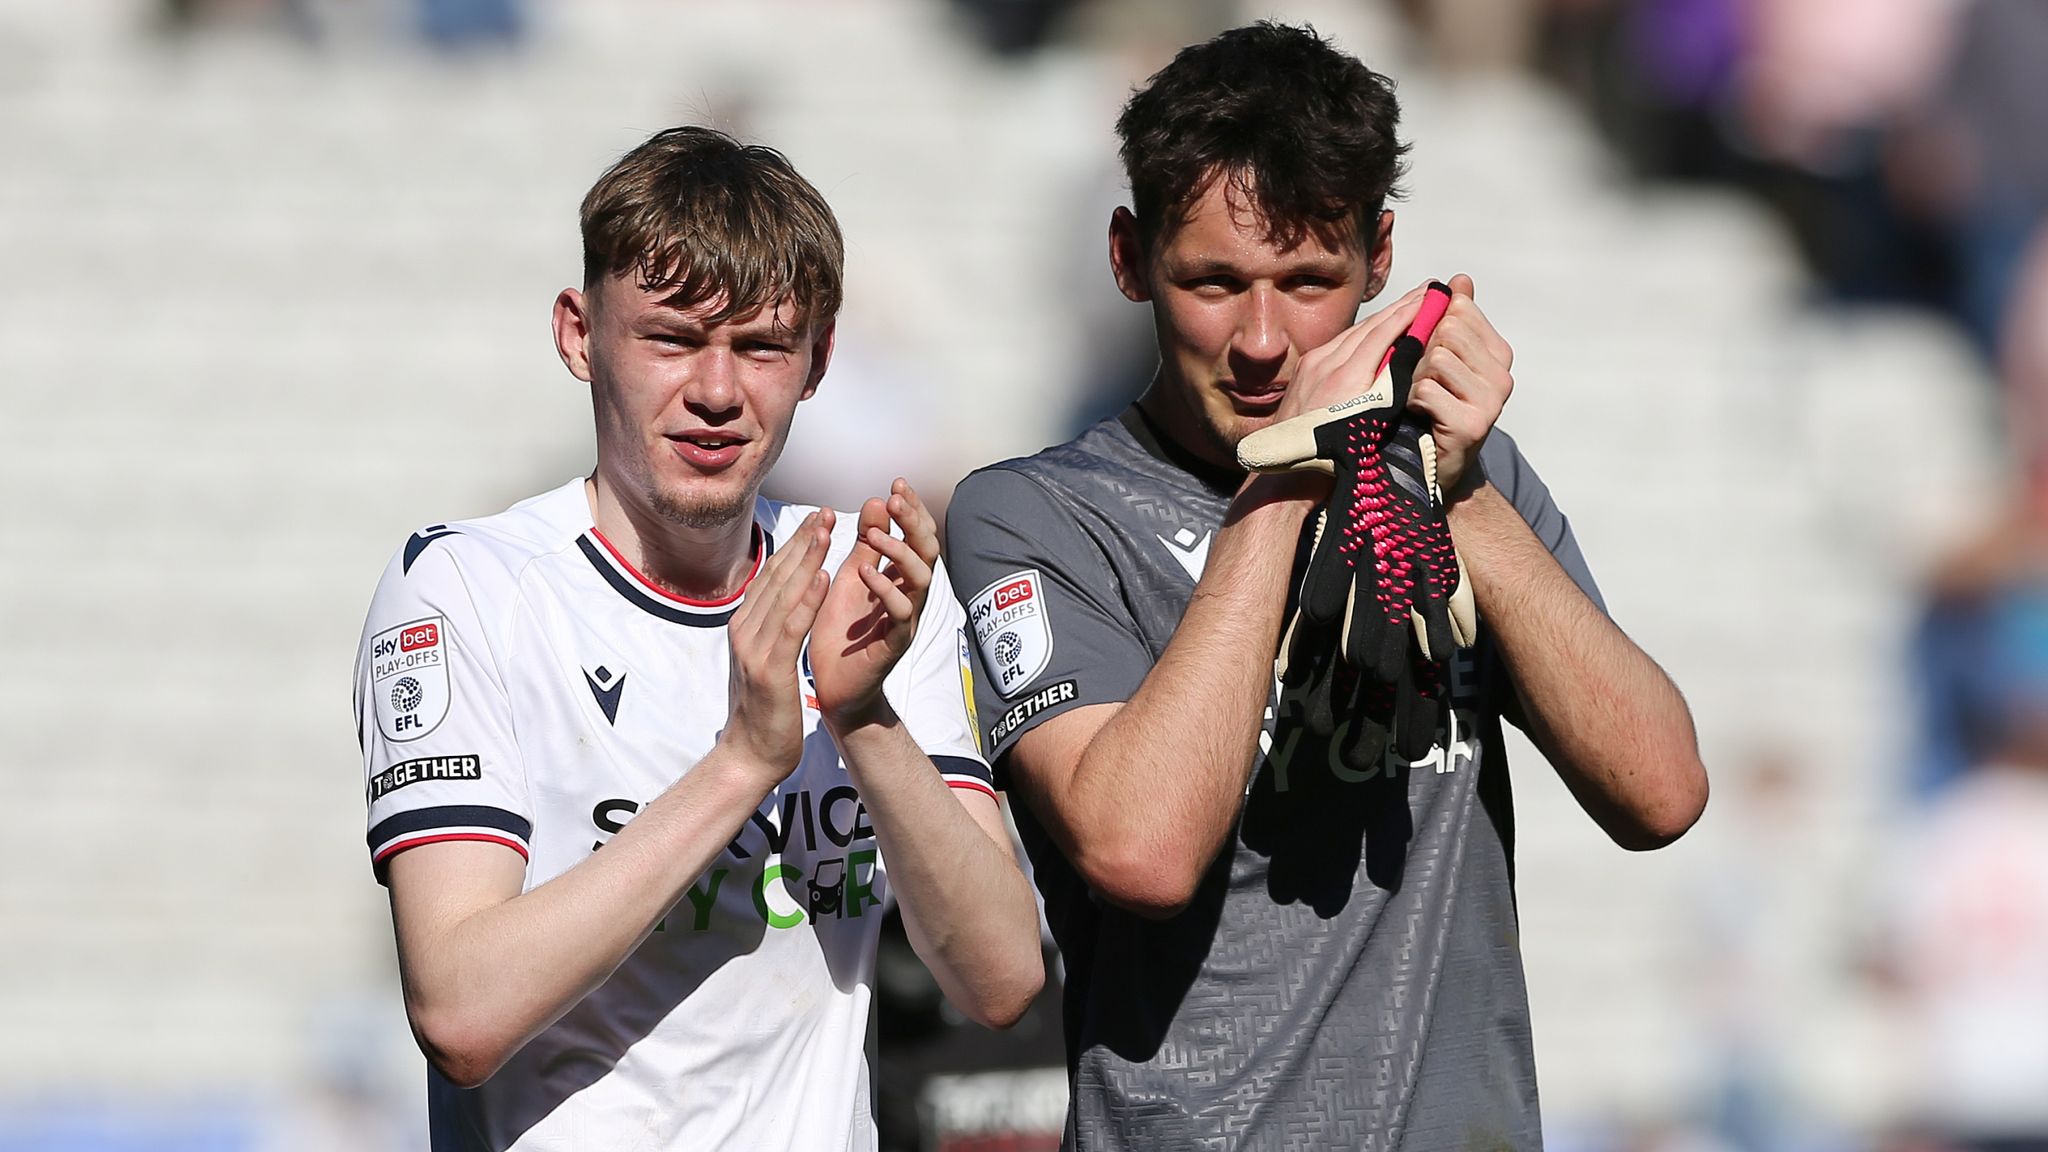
{"x": 1267, "y": 946}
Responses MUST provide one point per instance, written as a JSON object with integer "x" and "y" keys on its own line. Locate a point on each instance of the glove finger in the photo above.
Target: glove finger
{"x": 1383, "y": 653}
{"x": 1371, "y": 716}
{"x": 1365, "y": 745}
{"x": 1464, "y": 611}
{"x": 1283, "y": 662}
{"x": 1304, "y": 687}
{"x": 1295, "y": 443}
{"x": 1305, "y": 649}
{"x": 1415, "y": 720}
{"x": 1329, "y": 686}
{"x": 1402, "y": 360}
{"x": 1320, "y": 556}
{"x": 1326, "y": 585}
{"x": 1432, "y": 618}
{"x": 1361, "y": 613}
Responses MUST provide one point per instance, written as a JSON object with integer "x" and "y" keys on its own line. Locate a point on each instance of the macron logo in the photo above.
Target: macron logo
{"x": 607, "y": 688}
{"x": 1192, "y": 553}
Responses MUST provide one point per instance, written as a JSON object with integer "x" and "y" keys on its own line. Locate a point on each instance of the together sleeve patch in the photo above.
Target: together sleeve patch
{"x": 426, "y": 768}
{"x": 1050, "y": 696}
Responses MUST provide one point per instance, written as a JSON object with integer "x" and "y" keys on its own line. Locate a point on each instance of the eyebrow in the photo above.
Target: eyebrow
{"x": 673, "y": 320}
{"x": 762, "y": 325}
{"x": 667, "y": 320}
{"x": 1206, "y": 266}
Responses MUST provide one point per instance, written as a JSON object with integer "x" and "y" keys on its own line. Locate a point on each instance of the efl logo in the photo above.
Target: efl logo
{"x": 409, "y": 678}
{"x": 1011, "y": 628}
{"x": 1013, "y": 593}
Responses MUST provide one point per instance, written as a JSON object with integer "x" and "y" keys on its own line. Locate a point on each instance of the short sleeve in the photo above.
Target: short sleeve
{"x": 432, "y": 712}
{"x": 1509, "y": 471}
{"x": 1045, "y": 614}
{"x": 936, "y": 696}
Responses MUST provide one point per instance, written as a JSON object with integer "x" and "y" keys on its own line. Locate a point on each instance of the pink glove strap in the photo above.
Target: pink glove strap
{"x": 1435, "y": 300}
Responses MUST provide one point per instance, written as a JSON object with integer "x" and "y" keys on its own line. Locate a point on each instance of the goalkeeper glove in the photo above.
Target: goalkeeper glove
{"x": 1381, "y": 566}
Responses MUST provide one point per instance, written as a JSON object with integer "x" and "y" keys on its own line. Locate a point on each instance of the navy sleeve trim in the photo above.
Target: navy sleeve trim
{"x": 420, "y": 826}
{"x": 963, "y": 768}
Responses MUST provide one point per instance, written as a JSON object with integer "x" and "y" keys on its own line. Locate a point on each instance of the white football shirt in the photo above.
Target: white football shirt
{"x": 520, "y": 683}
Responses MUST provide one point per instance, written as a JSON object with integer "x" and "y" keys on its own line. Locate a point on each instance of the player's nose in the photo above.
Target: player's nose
{"x": 1260, "y": 335}
{"x": 714, "y": 384}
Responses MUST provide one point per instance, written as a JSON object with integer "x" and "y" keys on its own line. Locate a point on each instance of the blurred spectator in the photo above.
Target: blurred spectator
{"x": 1985, "y": 605}
{"x": 1997, "y": 107}
{"x": 1972, "y": 913}
{"x": 1972, "y": 919}
{"x": 1904, "y": 141}
{"x": 1820, "y": 76}
{"x": 1821, "y": 86}
{"x": 2023, "y": 350}
{"x": 1656, "y": 75}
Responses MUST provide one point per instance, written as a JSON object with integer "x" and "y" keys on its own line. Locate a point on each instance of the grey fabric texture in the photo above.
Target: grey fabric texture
{"x": 1349, "y": 973}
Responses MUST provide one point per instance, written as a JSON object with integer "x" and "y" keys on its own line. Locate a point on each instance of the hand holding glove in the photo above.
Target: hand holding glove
{"x": 1381, "y": 568}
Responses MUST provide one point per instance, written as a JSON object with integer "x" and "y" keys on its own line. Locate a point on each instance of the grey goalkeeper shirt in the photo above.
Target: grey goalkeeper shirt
{"x": 1348, "y": 974}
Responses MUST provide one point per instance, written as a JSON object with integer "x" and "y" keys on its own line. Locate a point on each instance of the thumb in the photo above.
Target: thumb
{"x": 1461, "y": 285}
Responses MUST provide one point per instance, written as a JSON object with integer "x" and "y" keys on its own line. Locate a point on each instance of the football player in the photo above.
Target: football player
{"x": 646, "y": 753}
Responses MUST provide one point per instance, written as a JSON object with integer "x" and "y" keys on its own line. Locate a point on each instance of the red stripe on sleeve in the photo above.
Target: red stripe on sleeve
{"x": 975, "y": 784}
{"x": 486, "y": 837}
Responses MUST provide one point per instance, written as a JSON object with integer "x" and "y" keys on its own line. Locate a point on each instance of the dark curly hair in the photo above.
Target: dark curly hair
{"x": 1303, "y": 133}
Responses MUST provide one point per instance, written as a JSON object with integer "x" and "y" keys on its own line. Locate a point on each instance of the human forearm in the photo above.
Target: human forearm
{"x": 482, "y": 977}
{"x": 1155, "y": 794}
{"x": 968, "y": 909}
{"x": 1603, "y": 713}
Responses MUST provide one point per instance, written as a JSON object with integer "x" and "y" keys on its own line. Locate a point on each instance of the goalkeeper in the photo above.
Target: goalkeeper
{"x": 1278, "y": 933}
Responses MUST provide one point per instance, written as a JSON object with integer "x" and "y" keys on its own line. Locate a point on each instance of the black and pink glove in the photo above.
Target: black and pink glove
{"x": 1382, "y": 600}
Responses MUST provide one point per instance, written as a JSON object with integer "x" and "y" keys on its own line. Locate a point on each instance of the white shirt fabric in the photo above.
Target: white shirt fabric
{"x": 519, "y": 683}
{"x": 1973, "y": 917}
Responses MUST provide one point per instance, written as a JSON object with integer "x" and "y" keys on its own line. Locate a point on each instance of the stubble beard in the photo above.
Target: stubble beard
{"x": 701, "y": 511}
{"x": 1219, "y": 432}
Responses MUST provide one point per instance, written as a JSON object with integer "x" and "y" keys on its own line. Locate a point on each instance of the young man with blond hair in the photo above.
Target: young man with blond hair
{"x": 646, "y": 753}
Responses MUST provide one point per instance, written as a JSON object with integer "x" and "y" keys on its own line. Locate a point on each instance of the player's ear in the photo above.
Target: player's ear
{"x": 572, "y": 332}
{"x": 1382, "y": 261}
{"x": 821, "y": 357}
{"x": 1127, "y": 256}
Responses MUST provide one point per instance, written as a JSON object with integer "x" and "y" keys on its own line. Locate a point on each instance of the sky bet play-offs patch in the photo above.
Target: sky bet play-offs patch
{"x": 1011, "y": 629}
{"x": 409, "y": 678}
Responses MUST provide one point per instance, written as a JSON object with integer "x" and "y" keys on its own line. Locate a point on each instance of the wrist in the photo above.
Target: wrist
{"x": 1475, "y": 504}
{"x": 752, "y": 759}
{"x": 1278, "y": 495}
{"x": 738, "y": 757}
{"x": 851, "y": 721}
{"x": 1468, "y": 484}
